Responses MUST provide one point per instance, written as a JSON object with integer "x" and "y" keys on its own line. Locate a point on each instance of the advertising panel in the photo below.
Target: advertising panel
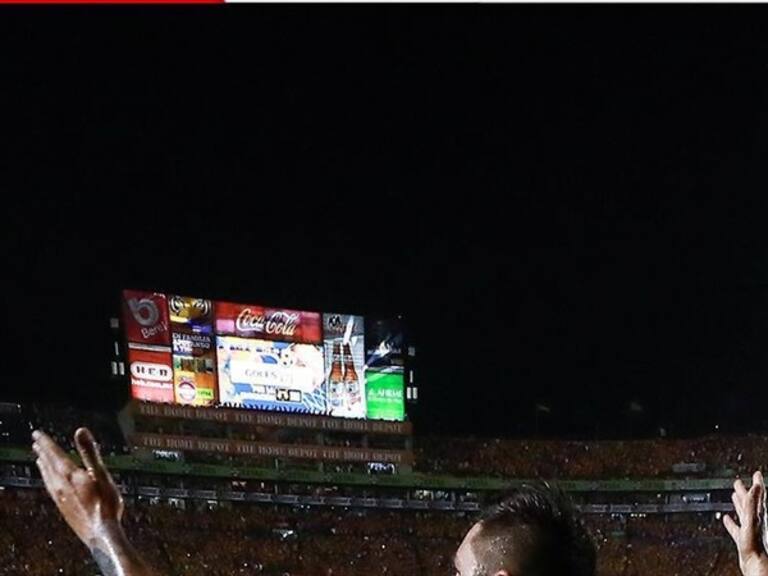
{"x": 194, "y": 379}
{"x": 151, "y": 373}
{"x": 384, "y": 374}
{"x": 344, "y": 339}
{"x": 194, "y": 356}
{"x": 384, "y": 344}
{"x": 274, "y": 419}
{"x": 146, "y": 317}
{"x": 250, "y": 321}
{"x": 268, "y": 449}
{"x": 384, "y": 394}
{"x": 192, "y": 344}
{"x": 271, "y": 375}
{"x": 193, "y": 315}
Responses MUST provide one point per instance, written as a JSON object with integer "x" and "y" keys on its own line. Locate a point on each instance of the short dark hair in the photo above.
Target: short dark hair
{"x": 534, "y": 531}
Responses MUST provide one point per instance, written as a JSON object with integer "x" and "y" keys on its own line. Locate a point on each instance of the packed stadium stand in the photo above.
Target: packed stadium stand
{"x": 654, "y": 458}
{"x": 193, "y": 524}
{"x": 257, "y": 539}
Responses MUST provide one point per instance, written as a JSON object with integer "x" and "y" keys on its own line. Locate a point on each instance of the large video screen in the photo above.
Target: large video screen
{"x": 200, "y": 352}
{"x": 269, "y": 374}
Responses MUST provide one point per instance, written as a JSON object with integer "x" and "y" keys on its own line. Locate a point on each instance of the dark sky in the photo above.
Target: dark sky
{"x": 567, "y": 204}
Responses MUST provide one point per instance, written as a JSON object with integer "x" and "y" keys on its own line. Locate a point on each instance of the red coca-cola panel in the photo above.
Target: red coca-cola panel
{"x": 146, "y": 317}
{"x": 250, "y": 321}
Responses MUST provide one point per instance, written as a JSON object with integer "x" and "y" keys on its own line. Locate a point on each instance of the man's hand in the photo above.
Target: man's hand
{"x": 89, "y": 501}
{"x": 750, "y": 508}
{"x": 87, "y": 497}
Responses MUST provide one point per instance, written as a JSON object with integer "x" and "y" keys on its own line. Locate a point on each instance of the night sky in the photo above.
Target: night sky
{"x": 567, "y": 204}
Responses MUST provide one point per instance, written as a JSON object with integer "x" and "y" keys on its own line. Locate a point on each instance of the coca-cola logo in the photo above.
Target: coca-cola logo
{"x": 278, "y": 323}
{"x": 152, "y": 371}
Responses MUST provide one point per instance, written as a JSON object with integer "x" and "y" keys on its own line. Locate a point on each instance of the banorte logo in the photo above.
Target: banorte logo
{"x": 146, "y": 314}
{"x": 277, "y": 323}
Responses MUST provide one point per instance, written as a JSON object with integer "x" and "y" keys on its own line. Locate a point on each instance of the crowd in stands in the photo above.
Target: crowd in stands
{"x": 240, "y": 538}
{"x": 714, "y": 456}
{"x": 285, "y": 541}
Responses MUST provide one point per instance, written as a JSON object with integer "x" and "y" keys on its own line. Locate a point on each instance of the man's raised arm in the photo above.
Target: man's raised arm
{"x": 747, "y": 533}
{"x": 90, "y": 502}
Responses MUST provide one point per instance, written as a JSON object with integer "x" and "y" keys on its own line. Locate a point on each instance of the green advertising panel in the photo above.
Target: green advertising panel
{"x": 385, "y": 395}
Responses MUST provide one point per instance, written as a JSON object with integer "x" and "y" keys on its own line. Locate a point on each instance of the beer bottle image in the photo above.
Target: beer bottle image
{"x": 336, "y": 379}
{"x": 351, "y": 383}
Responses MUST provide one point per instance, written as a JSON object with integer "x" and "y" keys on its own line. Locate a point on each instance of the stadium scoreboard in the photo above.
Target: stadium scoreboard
{"x": 198, "y": 352}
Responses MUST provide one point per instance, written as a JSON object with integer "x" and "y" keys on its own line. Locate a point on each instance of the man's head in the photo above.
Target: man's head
{"x": 532, "y": 532}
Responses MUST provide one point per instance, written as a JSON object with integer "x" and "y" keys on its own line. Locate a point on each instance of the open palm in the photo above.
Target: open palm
{"x": 747, "y": 534}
